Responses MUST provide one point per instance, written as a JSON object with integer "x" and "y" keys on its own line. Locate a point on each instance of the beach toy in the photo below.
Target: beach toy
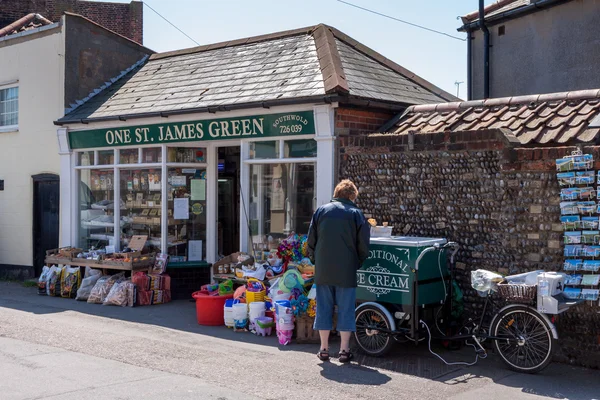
{"x": 264, "y": 326}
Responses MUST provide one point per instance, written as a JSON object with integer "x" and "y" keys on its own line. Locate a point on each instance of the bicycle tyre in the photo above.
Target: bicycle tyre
{"x": 528, "y": 355}
{"x": 372, "y": 342}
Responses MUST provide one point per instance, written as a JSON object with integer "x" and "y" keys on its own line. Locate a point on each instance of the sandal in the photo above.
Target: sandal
{"x": 323, "y": 355}
{"x": 345, "y": 356}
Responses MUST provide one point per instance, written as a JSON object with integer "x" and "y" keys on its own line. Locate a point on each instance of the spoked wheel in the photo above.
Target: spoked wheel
{"x": 529, "y": 342}
{"x": 372, "y": 331}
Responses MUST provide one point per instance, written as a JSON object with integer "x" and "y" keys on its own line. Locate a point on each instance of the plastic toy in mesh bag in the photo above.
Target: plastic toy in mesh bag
{"x": 53, "y": 286}
{"x": 483, "y": 281}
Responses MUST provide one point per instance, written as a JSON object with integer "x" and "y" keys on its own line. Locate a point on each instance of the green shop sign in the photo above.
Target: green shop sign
{"x": 257, "y": 126}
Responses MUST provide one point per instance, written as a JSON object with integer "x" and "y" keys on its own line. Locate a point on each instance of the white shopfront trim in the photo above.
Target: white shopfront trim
{"x": 324, "y": 135}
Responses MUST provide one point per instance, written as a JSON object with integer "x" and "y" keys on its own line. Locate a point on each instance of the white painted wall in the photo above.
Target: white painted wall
{"x": 37, "y": 64}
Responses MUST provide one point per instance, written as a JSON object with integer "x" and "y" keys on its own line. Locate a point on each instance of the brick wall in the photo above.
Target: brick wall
{"x": 354, "y": 121}
{"x": 125, "y": 19}
{"x": 500, "y": 204}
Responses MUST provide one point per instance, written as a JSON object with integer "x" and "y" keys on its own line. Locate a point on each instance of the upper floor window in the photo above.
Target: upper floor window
{"x": 9, "y": 108}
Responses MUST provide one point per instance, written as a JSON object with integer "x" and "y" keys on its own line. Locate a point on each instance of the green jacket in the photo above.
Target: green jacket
{"x": 338, "y": 243}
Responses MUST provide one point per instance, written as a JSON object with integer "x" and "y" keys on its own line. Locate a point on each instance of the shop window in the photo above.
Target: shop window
{"x": 282, "y": 201}
{"x": 129, "y": 156}
{"x": 187, "y": 214}
{"x": 152, "y": 155}
{"x": 97, "y": 211}
{"x": 300, "y": 148}
{"x": 268, "y": 149}
{"x": 9, "y": 108}
{"x": 106, "y": 157}
{"x": 141, "y": 211}
{"x": 85, "y": 158}
{"x": 186, "y": 155}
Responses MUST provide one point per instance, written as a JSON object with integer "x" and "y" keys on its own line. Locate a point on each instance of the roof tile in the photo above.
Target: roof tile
{"x": 552, "y": 118}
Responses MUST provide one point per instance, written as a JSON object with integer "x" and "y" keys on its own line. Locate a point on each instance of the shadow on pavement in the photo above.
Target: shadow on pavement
{"x": 406, "y": 358}
{"x": 353, "y": 374}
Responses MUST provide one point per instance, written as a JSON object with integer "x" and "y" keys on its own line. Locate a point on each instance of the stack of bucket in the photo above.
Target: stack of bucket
{"x": 256, "y": 310}
{"x": 228, "y": 312}
{"x": 284, "y": 318}
{"x": 240, "y": 315}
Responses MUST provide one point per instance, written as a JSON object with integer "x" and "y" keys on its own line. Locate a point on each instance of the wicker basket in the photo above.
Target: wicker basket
{"x": 517, "y": 293}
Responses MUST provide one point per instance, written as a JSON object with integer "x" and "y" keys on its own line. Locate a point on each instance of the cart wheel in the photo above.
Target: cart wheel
{"x": 529, "y": 345}
{"x": 369, "y": 323}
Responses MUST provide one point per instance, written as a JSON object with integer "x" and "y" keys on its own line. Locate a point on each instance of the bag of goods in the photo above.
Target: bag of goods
{"x": 159, "y": 282}
{"x": 53, "y": 287}
{"x": 160, "y": 296}
{"x": 118, "y": 295}
{"x": 71, "y": 277}
{"x": 131, "y": 294}
{"x": 43, "y": 280}
{"x": 103, "y": 287}
{"x": 87, "y": 284}
{"x": 160, "y": 264}
{"x": 144, "y": 297}
{"x": 141, "y": 280}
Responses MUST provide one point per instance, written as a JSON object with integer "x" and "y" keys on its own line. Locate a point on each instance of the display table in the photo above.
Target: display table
{"x": 94, "y": 264}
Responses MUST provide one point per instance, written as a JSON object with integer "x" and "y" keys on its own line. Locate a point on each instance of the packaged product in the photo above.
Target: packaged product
{"x": 159, "y": 282}
{"x": 160, "y": 264}
{"x": 160, "y": 296}
{"x": 103, "y": 287}
{"x": 131, "y": 294}
{"x": 144, "y": 297}
{"x": 118, "y": 295}
{"x": 141, "y": 280}
{"x": 43, "y": 280}
{"x": 71, "y": 277}
{"x": 87, "y": 284}
{"x": 53, "y": 287}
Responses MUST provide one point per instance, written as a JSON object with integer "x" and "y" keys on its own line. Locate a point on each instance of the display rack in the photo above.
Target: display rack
{"x": 580, "y": 217}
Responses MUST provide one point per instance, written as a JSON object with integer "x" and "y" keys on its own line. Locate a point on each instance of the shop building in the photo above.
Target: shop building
{"x": 224, "y": 147}
{"x": 46, "y": 69}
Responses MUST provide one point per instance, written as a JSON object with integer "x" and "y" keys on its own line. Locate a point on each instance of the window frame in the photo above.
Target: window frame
{"x": 13, "y": 127}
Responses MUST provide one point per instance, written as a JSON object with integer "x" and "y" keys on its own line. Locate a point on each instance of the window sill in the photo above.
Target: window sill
{"x": 9, "y": 129}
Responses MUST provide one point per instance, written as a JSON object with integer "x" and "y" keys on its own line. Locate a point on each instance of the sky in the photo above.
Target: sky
{"x": 436, "y": 58}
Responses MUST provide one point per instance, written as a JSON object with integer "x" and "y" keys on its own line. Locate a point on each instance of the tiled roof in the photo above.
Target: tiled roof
{"x": 28, "y": 22}
{"x": 547, "y": 118}
{"x": 496, "y": 8}
{"x": 300, "y": 64}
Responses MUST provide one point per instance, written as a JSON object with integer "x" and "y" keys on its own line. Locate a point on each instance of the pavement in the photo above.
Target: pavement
{"x": 54, "y": 348}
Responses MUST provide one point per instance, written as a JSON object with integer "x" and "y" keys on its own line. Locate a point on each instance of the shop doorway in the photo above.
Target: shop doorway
{"x": 46, "y": 192}
{"x": 228, "y": 200}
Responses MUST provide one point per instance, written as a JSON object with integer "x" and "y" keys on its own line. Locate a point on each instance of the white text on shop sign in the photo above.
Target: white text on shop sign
{"x": 297, "y": 123}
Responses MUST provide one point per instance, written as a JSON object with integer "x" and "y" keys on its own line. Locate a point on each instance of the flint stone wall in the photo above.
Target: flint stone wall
{"x": 501, "y": 204}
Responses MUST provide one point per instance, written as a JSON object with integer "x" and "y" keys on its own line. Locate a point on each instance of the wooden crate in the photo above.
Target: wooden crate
{"x": 61, "y": 255}
{"x": 129, "y": 264}
{"x": 304, "y": 330}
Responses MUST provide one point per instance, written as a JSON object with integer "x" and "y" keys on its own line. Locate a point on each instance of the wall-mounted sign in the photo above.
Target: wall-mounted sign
{"x": 257, "y": 126}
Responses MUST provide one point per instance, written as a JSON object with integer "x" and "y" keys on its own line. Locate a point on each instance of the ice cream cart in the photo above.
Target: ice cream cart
{"x": 403, "y": 279}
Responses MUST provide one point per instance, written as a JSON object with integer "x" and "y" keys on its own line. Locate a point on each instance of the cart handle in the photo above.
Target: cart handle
{"x": 436, "y": 246}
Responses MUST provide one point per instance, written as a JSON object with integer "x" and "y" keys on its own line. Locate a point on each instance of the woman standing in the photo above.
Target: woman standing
{"x": 338, "y": 244}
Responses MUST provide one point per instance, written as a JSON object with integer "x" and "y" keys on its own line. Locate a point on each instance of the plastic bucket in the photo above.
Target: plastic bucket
{"x": 240, "y": 311}
{"x": 209, "y": 309}
{"x": 257, "y": 305}
{"x": 285, "y": 336}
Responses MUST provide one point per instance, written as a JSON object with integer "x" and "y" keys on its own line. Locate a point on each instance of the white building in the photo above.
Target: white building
{"x": 46, "y": 69}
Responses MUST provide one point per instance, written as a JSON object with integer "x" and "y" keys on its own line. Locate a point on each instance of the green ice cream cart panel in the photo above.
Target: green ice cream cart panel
{"x": 388, "y": 274}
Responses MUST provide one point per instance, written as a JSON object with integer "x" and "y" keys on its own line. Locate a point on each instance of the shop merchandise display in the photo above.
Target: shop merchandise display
{"x": 281, "y": 302}
{"x": 580, "y": 219}
{"x": 88, "y": 283}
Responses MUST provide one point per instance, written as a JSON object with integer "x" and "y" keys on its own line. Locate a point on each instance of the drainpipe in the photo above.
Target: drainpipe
{"x": 486, "y": 51}
{"x": 469, "y": 67}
